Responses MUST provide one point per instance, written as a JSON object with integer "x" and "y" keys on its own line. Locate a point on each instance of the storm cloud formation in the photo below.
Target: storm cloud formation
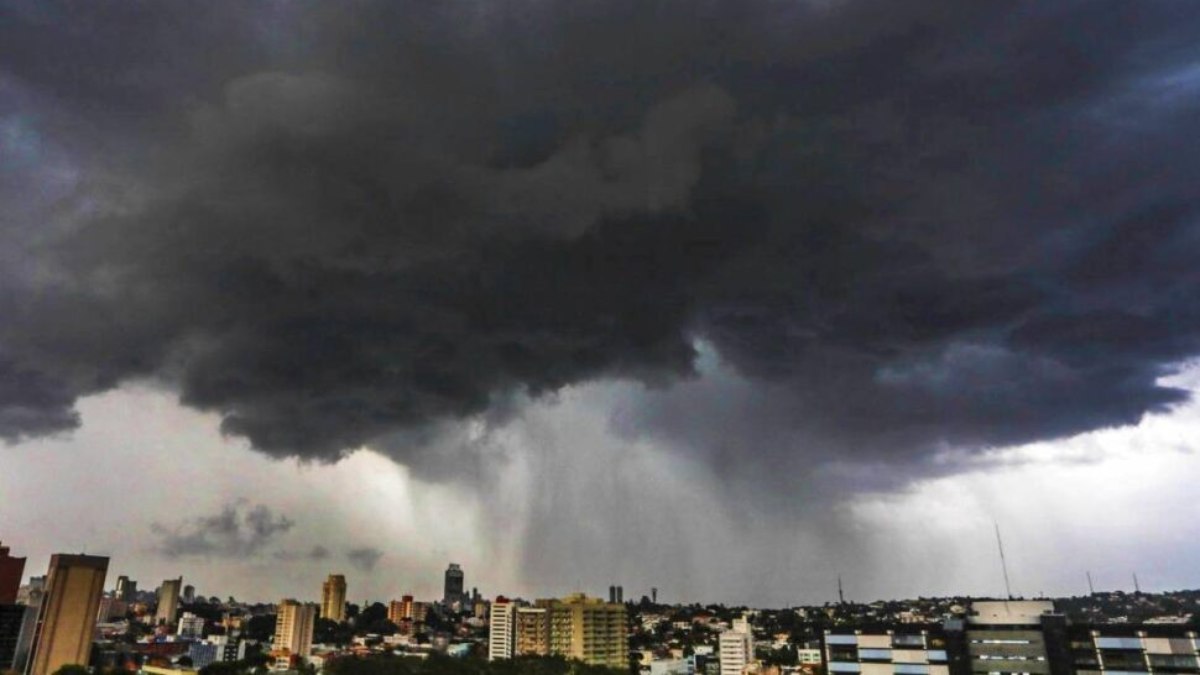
{"x": 238, "y": 530}
{"x": 906, "y": 226}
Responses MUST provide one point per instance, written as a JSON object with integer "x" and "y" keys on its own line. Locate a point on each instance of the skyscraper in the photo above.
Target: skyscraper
{"x": 294, "y": 627}
{"x": 502, "y": 631}
{"x": 453, "y": 591}
{"x": 11, "y": 571}
{"x": 67, "y": 617}
{"x": 333, "y": 598}
{"x": 168, "y": 601}
{"x": 126, "y": 589}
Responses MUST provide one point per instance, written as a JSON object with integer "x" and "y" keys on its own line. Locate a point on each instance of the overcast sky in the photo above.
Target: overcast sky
{"x": 726, "y": 298}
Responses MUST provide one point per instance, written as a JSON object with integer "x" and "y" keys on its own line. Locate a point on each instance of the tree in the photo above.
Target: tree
{"x": 261, "y": 627}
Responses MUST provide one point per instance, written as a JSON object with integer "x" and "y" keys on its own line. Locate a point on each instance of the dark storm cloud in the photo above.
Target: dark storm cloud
{"x": 239, "y": 530}
{"x": 913, "y": 225}
{"x": 364, "y": 558}
{"x": 317, "y": 552}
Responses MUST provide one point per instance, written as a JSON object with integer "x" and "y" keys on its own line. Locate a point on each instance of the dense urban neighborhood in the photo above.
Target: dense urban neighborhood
{"x": 71, "y": 620}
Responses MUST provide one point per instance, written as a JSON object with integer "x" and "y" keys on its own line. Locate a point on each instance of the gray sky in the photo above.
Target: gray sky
{"x": 723, "y": 297}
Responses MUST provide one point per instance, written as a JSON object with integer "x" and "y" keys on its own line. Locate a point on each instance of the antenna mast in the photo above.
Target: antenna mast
{"x": 841, "y": 597}
{"x": 1136, "y": 588}
{"x": 1091, "y": 589}
{"x": 1003, "y": 563}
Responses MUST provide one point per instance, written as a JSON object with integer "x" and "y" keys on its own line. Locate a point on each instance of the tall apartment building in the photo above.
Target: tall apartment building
{"x": 395, "y": 612}
{"x": 67, "y": 616}
{"x": 333, "y": 598}
{"x": 12, "y": 570}
{"x": 735, "y": 649}
{"x": 407, "y": 609}
{"x": 294, "y": 628}
{"x": 590, "y": 630}
{"x": 533, "y": 631}
{"x": 502, "y": 629}
{"x": 168, "y": 601}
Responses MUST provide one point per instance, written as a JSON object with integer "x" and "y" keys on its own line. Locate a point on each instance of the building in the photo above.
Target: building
{"x": 1009, "y": 637}
{"x": 111, "y": 608}
{"x": 218, "y": 649}
{"x": 294, "y": 628}
{"x": 189, "y": 594}
{"x": 590, "y": 630}
{"x": 204, "y": 654}
{"x": 502, "y": 629}
{"x": 533, "y": 631}
{"x": 31, "y": 594}
{"x": 735, "y": 649}
{"x": 67, "y": 616}
{"x": 12, "y": 570}
{"x": 903, "y": 649}
{"x": 420, "y": 610}
{"x": 17, "y": 623}
{"x": 807, "y": 658}
{"x": 168, "y": 601}
{"x": 126, "y": 589}
{"x": 190, "y": 625}
{"x": 333, "y": 598}
{"x": 453, "y": 588}
{"x": 1147, "y": 648}
{"x": 686, "y": 666}
{"x": 396, "y": 611}
{"x": 405, "y": 609}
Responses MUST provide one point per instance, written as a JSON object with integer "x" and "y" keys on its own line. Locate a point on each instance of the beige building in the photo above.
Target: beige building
{"x": 333, "y": 598}
{"x": 590, "y": 630}
{"x": 168, "y": 601}
{"x": 294, "y": 628}
{"x": 533, "y": 631}
{"x": 396, "y": 611}
{"x": 67, "y": 616}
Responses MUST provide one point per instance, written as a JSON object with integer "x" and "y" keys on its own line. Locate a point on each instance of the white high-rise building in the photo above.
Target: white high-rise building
{"x": 736, "y": 649}
{"x": 502, "y": 634}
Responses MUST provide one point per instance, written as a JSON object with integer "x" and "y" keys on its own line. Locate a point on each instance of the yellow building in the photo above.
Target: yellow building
{"x": 533, "y": 631}
{"x": 333, "y": 598}
{"x": 590, "y": 630}
{"x": 294, "y": 628}
{"x": 67, "y": 617}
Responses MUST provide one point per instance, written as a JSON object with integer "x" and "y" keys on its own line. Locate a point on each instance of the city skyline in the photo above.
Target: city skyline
{"x": 731, "y": 299}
